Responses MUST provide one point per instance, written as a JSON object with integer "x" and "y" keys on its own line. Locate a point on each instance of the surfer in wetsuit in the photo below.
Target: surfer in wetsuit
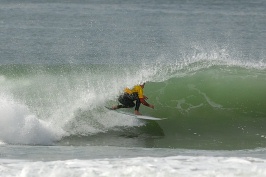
{"x": 130, "y": 95}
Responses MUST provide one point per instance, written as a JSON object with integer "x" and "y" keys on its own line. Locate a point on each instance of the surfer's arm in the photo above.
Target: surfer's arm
{"x": 142, "y": 100}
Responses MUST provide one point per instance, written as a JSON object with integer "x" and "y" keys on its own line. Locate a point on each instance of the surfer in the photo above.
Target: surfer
{"x": 130, "y": 95}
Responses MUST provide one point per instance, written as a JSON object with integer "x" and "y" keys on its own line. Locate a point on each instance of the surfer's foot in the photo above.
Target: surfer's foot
{"x": 114, "y": 107}
{"x": 137, "y": 112}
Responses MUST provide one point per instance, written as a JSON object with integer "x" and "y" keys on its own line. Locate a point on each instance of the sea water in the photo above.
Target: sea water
{"x": 203, "y": 63}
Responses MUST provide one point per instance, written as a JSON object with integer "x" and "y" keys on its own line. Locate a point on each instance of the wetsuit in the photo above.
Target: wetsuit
{"x": 131, "y": 95}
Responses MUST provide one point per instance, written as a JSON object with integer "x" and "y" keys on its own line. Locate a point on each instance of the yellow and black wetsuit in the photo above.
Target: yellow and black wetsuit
{"x": 131, "y": 95}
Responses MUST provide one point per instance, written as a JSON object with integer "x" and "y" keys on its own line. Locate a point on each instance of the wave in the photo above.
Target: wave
{"x": 211, "y": 102}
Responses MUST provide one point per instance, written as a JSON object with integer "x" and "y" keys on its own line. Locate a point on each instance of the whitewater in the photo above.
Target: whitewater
{"x": 62, "y": 62}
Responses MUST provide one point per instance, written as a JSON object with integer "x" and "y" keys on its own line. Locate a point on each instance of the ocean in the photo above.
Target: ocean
{"x": 63, "y": 61}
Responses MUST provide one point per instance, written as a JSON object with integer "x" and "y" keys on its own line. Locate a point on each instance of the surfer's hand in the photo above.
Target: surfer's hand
{"x": 151, "y": 106}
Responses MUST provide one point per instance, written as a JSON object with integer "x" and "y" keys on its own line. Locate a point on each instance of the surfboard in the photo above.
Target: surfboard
{"x": 136, "y": 116}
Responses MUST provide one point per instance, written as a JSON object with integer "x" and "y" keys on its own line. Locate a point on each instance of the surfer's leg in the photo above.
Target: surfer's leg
{"x": 137, "y": 105}
{"x": 125, "y": 101}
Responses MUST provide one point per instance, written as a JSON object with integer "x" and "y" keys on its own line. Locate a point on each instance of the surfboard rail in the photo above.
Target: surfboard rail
{"x": 136, "y": 116}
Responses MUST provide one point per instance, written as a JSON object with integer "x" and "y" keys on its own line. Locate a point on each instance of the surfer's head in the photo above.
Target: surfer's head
{"x": 142, "y": 84}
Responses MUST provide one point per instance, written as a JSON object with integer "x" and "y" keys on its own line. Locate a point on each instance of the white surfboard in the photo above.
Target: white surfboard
{"x": 137, "y": 116}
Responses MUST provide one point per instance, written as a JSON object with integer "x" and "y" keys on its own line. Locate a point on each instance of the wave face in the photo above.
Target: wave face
{"x": 208, "y": 105}
{"x": 222, "y": 104}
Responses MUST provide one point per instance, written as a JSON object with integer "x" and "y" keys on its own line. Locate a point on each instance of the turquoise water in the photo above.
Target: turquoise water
{"x": 61, "y": 62}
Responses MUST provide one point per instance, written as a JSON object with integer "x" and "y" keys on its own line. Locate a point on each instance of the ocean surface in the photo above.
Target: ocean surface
{"x": 63, "y": 61}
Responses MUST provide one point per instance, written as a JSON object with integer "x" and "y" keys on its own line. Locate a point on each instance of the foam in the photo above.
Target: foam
{"x": 19, "y": 126}
{"x": 139, "y": 166}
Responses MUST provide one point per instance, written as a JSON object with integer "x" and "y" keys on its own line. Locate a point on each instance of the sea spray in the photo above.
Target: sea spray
{"x": 66, "y": 98}
{"x": 19, "y": 126}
